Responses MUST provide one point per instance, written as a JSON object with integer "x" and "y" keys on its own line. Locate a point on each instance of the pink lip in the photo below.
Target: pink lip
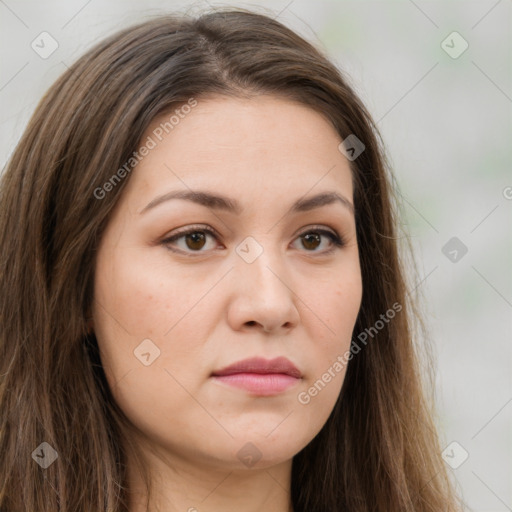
{"x": 260, "y": 376}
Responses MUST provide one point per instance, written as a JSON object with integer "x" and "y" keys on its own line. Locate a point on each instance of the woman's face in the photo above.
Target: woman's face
{"x": 255, "y": 277}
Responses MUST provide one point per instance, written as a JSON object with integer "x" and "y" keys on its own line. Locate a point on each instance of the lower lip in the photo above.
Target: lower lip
{"x": 257, "y": 383}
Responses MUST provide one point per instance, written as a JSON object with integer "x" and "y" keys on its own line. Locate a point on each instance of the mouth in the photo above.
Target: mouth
{"x": 260, "y": 376}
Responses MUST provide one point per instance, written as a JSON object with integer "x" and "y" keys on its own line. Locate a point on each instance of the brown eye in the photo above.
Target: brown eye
{"x": 195, "y": 240}
{"x": 192, "y": 240}
{"x": 311, "y": 240}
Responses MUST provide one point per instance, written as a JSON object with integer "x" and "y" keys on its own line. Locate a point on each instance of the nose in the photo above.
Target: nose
{"x": 263, "y": 295}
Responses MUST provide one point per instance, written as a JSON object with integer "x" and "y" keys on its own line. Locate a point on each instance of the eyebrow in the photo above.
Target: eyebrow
{"x": 220, "y": 202}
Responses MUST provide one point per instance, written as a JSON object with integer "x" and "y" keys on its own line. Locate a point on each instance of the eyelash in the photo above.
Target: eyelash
{"x": 337, "y": 240}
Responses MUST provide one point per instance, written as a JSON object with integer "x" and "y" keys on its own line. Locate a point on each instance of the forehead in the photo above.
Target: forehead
{"x": 263, "y": 145}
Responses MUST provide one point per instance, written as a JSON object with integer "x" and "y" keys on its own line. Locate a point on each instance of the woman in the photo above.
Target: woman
{"x": 203, "y": 306}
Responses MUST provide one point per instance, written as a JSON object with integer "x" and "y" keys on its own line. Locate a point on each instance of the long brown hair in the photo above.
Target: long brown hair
{"x": 379, "y": 448}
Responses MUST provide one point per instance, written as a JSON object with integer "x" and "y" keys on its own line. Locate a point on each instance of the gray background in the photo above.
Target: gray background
{"x": 447, "y": 125}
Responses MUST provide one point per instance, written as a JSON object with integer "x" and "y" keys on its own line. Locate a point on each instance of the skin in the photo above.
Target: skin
{"x": 207, "y": 307}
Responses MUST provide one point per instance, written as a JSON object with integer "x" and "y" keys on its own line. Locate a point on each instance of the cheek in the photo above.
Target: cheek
{"x": 333, "y": 309}
{"x": 140, "y": 308}
{"x": 138, "y": 298}
{"x": 145, "y": 296}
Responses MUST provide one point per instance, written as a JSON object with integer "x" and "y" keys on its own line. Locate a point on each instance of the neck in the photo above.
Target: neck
{"x": 181, "y": 484}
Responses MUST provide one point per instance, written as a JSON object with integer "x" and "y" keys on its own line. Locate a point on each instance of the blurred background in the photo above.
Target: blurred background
{"x": 437, "y": 78}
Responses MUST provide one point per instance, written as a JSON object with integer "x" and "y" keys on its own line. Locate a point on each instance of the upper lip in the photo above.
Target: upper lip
{"x": 260, "y": 365}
